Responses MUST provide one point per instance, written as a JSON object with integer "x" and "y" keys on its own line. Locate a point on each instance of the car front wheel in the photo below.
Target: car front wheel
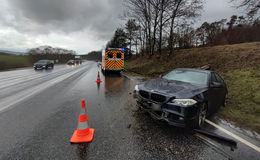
{"x": 199, "y": 120}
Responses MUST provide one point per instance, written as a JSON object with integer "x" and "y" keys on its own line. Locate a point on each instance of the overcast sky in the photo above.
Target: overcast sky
{"x": 81, "y": 25}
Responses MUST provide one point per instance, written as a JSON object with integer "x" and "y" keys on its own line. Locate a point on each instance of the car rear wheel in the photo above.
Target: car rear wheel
{"x": 199, "y": 120}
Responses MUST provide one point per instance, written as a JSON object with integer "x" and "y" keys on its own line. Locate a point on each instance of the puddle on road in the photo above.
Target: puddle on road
{"x": 114, "y": 83}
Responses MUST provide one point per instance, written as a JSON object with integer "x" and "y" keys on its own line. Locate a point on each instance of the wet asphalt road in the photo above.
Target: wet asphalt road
{"x": 39, "y": 110}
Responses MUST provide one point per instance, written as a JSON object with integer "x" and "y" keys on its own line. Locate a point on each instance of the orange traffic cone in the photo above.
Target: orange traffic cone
{"x": 83, "y": 133}
{"x": 98, "y": 79}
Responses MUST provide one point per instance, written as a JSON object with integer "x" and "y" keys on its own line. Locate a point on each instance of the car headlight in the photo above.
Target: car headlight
{"x": 43, "y": 66}
{"x": 136, "y": 88}
{"x": 184, "y": 102}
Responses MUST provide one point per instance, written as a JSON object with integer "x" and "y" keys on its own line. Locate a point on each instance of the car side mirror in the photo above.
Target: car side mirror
{"x": 161, "y": 75}
{"x": 216, "y": 85}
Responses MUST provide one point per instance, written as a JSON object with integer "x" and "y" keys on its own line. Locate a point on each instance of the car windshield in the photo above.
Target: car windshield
{"x": 187, "y": 76}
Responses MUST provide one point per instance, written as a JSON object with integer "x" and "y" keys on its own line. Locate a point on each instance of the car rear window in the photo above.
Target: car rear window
{"x": 187, "y": 76}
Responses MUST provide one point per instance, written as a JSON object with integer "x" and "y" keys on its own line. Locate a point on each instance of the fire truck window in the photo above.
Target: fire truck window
{"x": 118, "y": 55}
{"x": 110, "y": 55}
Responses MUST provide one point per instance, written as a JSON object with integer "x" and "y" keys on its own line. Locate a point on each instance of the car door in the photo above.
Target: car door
{"x": 215, "y": 93}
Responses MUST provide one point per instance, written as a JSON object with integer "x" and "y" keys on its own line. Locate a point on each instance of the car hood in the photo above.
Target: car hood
{"x": 172, "y": 88}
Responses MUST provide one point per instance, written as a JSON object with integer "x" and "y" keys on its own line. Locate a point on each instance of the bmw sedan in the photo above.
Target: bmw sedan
{"x": 183, "y": 97}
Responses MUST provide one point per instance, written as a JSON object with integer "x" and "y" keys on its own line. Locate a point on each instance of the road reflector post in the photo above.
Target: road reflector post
{"x": 83, "y": 134}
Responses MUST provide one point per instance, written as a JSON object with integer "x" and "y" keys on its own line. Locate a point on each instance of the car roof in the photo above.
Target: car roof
{"x": 194, "y": 70}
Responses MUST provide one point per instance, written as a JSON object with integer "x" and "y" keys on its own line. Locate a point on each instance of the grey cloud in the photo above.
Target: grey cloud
{"x": 82, "y": 25}
{"x": 217, "y": 10}
{"x": 46, "y": 16}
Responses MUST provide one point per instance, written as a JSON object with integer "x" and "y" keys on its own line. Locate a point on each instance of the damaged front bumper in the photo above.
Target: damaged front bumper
{"x": 172, "y": 114}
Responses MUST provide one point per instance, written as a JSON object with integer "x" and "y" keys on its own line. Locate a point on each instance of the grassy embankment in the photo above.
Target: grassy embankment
{"x": 239, "y": 65}
{"x": 8, "y": 61}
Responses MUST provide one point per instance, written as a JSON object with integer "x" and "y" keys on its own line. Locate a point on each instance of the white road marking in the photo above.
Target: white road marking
{"x": 8, "y": 102}
{"x": 234, "y": 136}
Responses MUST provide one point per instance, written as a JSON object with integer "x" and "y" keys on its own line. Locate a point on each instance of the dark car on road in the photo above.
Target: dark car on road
{"x": 183, "y": 97}
{"x": 43, "y": 64}
{"x": 71, "y": 62}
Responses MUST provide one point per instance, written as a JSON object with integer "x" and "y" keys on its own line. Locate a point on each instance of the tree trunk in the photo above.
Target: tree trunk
{"x": 149, "y": 28}
{"x": 136, "y": 51}
{"x": 172, "y": 25}
{"x": 154, "y": 32}
{"x": 161, "y": 26}
{"x": 130, "y": 48}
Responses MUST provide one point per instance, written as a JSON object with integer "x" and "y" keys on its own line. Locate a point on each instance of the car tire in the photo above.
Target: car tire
{"x": 199, "y": 120}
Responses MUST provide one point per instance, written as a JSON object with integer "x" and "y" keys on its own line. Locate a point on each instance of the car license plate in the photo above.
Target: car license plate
{"x": 156, "y": 107}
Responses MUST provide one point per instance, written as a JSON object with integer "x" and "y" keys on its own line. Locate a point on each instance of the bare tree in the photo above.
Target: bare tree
{"x": 131, "y": 29}
{"x": 251, "y": 6}
{"x": 157, "y": 20}
{"x": 183, "y": 9}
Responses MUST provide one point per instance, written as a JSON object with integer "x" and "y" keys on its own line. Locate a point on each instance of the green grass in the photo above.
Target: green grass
{"x": 13, "y": 61}
{"x": 244, "y": 98}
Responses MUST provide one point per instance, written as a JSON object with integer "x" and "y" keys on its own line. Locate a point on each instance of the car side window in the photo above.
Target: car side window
{"x": 219, "y": 79}
{"x": 213, "y": 78}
